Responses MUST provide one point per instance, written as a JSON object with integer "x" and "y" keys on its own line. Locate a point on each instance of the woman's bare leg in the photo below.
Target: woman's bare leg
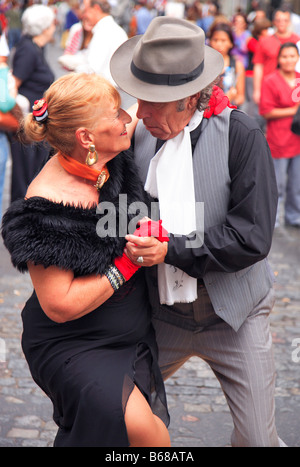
{"x": 144, "y": 429}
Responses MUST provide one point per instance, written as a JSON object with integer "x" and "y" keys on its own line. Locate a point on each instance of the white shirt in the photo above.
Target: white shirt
{"x": 107, "y": 38}
{"x": 4, "y": 50}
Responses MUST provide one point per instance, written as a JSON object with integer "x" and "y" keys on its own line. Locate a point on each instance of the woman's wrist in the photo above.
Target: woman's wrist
{"x": 115, "y": 277}
{"x": 120, "y": 271}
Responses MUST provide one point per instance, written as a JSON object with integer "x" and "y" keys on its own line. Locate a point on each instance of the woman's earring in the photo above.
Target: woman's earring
{"x": 92, "y": 156}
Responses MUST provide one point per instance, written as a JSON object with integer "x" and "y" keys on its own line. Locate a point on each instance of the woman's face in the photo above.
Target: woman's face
{"x": 239, "y": 22}
{"x": 49, "y": 32}
{"x": 110, "y": 135}
{"x": 288, "y": 59}
{"x": 221, "y": 42}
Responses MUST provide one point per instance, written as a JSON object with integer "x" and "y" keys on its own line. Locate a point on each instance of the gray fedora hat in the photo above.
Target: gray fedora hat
{"x": 169, "y": 62}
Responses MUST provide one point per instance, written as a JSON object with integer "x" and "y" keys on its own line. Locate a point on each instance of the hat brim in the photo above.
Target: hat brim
{"x": 120, "y": 67}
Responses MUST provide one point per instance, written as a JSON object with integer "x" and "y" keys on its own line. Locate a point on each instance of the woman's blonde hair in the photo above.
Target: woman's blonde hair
{"x": 74, "y": 100}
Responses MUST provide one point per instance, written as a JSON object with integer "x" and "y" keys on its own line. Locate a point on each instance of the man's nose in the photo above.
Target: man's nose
{"x": 142, "y": 110}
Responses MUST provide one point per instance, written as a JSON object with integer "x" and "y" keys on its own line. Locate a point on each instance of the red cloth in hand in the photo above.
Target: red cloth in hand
{"x": 152, "y": 229}
{"x": 125, "y": 266}
{"x": 217, "y": 103}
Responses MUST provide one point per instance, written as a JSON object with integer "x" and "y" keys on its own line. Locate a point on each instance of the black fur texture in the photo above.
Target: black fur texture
{"x": 54, "y": 234}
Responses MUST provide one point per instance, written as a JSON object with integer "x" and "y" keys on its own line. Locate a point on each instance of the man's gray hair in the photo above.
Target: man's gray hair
{"x": 36, "y": 19}
{"x": 203, "y": 100}
{"x": 103, "y": 4}
{"x": 205, "y": 96}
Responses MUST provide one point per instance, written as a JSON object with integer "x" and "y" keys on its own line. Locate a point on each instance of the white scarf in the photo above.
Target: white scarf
{"x": 171, "y": 179}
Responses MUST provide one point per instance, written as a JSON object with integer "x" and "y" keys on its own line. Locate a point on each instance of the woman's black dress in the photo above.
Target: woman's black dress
{"x": 88, "y": 366}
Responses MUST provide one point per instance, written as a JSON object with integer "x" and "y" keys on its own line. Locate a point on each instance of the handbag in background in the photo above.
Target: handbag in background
{"x": 8, "y": 122}
{"x": 296, "y": 122}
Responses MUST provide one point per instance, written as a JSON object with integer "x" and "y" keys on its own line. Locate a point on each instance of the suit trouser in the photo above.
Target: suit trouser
{"x": 242, "y": 361}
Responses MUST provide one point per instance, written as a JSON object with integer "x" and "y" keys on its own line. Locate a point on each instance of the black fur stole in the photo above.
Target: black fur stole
{"x": 54, "y": 234}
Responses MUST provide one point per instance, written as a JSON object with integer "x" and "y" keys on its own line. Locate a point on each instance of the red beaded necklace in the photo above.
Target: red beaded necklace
{"x": 80, "y": 170}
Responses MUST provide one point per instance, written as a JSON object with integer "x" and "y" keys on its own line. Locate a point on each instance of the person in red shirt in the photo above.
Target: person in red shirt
{"x": 265, "y": 58}
{"x": 260, "y": 29}
{"x": 279, "y": 102}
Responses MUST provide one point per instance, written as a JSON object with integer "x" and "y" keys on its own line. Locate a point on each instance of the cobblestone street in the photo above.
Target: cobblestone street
{"x": 199, "y": 413}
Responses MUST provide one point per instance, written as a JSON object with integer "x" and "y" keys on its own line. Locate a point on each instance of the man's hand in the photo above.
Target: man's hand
{"x": 149, "y": 248}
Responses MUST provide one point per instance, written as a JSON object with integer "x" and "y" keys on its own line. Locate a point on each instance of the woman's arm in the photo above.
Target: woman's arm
{"x": 64, "y": 297}
{"x": 18, "y": 82}
{"x": 258, "y": 71}
{"x": 236, "y": 94}
{"x": 281, "y": 112}
{"x": 240, "y": 83}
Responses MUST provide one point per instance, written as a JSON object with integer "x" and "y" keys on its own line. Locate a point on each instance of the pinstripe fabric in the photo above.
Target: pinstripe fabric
{"x": 243, "y": 363}
{"x": 233, "y": 295}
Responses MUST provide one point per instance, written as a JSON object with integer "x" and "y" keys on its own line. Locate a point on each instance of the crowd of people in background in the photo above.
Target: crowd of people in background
{"x": 250, "y": 41}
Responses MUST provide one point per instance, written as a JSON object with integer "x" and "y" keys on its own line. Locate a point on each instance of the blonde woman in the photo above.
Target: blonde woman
{"x": 87, "y": 336}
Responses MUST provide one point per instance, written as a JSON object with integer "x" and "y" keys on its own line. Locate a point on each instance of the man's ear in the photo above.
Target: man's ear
{"x": 98, "y": 10}
{"x": 84, "y": 137}
{"x": 192, "y": 101}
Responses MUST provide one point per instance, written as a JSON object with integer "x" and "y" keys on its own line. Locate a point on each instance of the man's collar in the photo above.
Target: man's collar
{"x": 100, "y": 21}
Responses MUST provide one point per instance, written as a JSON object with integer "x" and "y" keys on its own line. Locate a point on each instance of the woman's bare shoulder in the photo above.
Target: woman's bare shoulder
{"x": 43, "y": 184}
{"x": 55, "y": 184}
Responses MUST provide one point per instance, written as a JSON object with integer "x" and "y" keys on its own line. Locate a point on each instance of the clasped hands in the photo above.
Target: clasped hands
{"x": 149, "y": 241}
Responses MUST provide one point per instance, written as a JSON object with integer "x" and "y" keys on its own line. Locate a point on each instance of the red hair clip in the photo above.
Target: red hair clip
{"x": 39, "y": 110}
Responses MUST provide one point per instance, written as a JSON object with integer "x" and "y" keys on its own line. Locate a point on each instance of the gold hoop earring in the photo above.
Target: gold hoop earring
{"x": 92, "y": 156}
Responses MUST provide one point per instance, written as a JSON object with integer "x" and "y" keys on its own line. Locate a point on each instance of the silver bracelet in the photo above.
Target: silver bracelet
{"x": 115, "y": 277}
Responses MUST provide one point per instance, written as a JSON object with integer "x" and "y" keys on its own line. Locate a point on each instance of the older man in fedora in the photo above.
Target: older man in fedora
{"x": 211, "y": 288}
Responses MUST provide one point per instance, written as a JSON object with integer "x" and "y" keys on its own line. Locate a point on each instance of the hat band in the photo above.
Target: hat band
{"x": 166, "y": 79}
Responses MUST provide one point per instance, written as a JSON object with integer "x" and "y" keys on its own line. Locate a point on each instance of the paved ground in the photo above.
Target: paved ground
{"x": 199, "y": 413}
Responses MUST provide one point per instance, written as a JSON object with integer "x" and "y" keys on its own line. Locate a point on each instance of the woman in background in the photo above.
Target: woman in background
{"x": 33, "y": 76}
{"x": 241, "y": 36}
{"x": 279, "y": 103}
{"x": 233, "y": 76}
